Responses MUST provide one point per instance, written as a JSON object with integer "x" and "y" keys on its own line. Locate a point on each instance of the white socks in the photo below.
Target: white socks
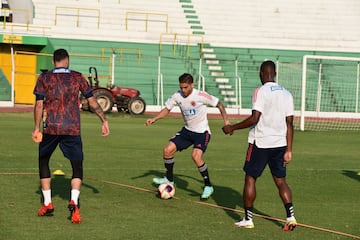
{"x": 75, "y": 195}
{"x": 289, "y": 219}
{"x": 47, "y": 196}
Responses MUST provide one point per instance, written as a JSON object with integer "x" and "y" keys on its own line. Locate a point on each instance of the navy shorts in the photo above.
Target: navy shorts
{"x": 258, "y": 158}
{"x": 185, "y": 138}
{"x": 71, "y": 146}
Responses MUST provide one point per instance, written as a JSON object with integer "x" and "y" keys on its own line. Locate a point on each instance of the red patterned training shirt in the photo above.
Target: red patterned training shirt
{"x": 59, "y": 88}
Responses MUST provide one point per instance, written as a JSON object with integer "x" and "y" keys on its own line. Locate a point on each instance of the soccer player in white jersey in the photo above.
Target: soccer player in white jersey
{"x": 196, "y": 132}
{"x": 270, "y": 142}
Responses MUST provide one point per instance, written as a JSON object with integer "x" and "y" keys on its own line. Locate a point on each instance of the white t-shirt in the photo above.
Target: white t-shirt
{"x": 275, "y": 103}
{"x": 193, "y": 109}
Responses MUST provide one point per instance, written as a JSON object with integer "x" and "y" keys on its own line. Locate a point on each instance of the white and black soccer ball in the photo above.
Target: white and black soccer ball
{"x": 166, "y": 190}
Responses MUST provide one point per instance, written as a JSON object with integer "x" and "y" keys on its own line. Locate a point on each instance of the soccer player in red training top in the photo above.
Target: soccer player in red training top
{"x": 270, "y": 142}
{"x": 196, "y": 131}
{"x": 56, "y": 106}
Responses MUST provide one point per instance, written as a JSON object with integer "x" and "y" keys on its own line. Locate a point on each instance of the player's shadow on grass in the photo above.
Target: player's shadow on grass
{"x": 352, "y": 174}
{"x": 231, "y": 199}
{"x": 61, "y": 187}
{"x": 225, "y": 197}
{"x": 179, "y": 181}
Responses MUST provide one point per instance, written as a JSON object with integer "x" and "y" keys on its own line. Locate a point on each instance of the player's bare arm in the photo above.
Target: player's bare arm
{"x": 246, "y": 123}
{"x": 222, "y": 110}
{"x": 163, "y": 113}
{"x": 38, "y": 110}
{"x": 100, "y": 113}
{"x": 289, "y": 139}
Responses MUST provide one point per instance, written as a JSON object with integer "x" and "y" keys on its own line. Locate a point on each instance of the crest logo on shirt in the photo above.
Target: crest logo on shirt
{"x": 193, "y": 103}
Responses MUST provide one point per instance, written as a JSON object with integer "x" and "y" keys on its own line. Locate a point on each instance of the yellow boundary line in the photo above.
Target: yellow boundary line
{"x": 18, "y": 173}
{"x": 200, "y": 203}
{"x": 231, "y": 209}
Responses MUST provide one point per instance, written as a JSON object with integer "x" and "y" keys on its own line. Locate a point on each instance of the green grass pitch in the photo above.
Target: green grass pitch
{"x": 118, "y": 199}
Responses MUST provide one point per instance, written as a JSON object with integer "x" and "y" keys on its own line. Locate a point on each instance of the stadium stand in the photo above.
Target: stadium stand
{"x": 221, "y": 44}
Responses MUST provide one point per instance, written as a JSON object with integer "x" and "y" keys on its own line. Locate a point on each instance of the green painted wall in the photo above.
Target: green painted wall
{"x": 143, "y": 75}
{"x": 131, "y": 69}
{"x": 5, "y": 88}
{"x": 136, "y": 64}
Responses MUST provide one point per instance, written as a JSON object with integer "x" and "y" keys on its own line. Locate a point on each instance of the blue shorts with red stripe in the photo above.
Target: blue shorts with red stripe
{"x": 185, "y": 138}
{"x": 258, "y": 158}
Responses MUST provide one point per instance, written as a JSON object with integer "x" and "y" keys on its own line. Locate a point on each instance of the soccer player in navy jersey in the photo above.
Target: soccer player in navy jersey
{"x": 270, "y": 142}
{"x": 196, "y": 132}
{"x": 57, "y": 108}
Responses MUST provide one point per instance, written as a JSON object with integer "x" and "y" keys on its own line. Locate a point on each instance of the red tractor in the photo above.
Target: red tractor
{"x": 123, "y": 98}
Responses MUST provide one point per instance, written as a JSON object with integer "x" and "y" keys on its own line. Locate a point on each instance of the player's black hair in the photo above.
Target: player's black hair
{"x": 60, "y": 54}
{"x": 268, "y": 63}
{"x": 186, "y": 78}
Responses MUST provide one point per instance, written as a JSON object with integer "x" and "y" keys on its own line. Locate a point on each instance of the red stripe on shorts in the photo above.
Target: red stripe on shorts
{"x": 207, "y": 138}
{"x": 249, "y": 151}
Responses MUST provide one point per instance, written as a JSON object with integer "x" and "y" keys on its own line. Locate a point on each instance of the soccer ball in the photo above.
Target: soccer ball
{"x": 166, "y": 190}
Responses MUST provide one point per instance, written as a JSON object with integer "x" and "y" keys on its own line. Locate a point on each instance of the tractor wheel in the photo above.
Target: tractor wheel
{"x": 136, "y": 106}
{"x": 104, "y": 98}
